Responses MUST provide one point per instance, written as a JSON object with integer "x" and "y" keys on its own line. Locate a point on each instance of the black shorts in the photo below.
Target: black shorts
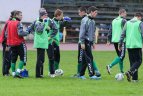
{"x": 21, "y": 51}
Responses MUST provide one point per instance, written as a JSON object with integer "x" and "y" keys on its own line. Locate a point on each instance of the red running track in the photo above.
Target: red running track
{"x": 74, "y": 46}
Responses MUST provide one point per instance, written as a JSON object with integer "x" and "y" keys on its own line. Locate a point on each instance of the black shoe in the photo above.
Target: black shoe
{"x": 97, "y": 73}
{"x": 128, "y": 76}
{"x": 41, "y": 76}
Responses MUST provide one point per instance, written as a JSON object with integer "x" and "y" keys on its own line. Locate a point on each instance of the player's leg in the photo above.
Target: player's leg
{"x": 132, "y": 61}
{"x": 122, "y": 56}
{"x": 14, "y": 56}
{"x": 3, "y": 58}
{"x": 138, "y": 60}
{"x": 89, "y": 58}
{"x": 115, "y": 61}
{"x": 7, "y": 61}
{"x": 50, "y": 52}
{"x": 39, "y": 63}
{"x": 80, "y": 58}
{"x": 97, "y": 72}
{"x": 83, "y": 68}
{"x": 56, "y": 55}
{"x": 22, "y": 51}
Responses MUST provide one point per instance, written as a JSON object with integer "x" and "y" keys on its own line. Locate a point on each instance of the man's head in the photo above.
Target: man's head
{"x": 82, "y": 11}
{"x": 122, "y": 12}
{"x": 43, "y": 13}
{"x": 92, "y": 11}
{"x": 13, "y": 13}
{"x": 18, "y": 15}
{"x": 139, "y": 16}
{"x": 58, "y": 14}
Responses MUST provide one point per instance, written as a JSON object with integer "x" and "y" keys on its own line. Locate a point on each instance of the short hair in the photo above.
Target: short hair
{"x": 17, "y": 13}
{"x": 121, "y": 10}
{"x": 42, "y": 11}
{"x": 83, "y": 9}
{"x": 138, "y": 15}
{"x": 13, "y": 13}
{"x": 92, "y": 9}
{"x": 58, "y": 12}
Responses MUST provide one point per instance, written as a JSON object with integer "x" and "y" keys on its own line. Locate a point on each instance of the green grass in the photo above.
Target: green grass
{"x": 67, "y": 86}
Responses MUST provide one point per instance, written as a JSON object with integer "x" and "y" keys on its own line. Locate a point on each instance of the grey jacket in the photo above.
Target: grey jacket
{"x": 87, "y": 30}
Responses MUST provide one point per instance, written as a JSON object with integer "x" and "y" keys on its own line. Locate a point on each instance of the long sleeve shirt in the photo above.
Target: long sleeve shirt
{"x": 87, "y": 30}
{"x": 20, "y": 30}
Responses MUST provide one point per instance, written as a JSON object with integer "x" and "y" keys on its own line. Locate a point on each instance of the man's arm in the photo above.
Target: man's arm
{"x": 20, "y": 30}
{"x": 123, "y": 22}
{"x": 109, "y": 36}
{"x": 53, "y": 27}
{"x": 141, "y": 28}
{"x": 82, "y": 32}
{"x": 30, "y": 28}
{"x": 123, "y": 35}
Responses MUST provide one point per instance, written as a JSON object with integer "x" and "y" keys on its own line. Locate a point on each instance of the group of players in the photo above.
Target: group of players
{"x": 46, "y": 37}
{"x": 123, "y": 34}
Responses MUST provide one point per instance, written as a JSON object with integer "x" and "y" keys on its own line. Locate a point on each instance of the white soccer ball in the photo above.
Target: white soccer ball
{"x": 119, "y": 76}
{"x": 59, "y": 72}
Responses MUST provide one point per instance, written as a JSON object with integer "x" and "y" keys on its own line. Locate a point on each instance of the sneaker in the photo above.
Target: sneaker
{"x": 135, "y": 81}
{"x": 97, "y": 73}
{"x": 41, "y": 76}
{"x": 82, "y": 77}
{"x": 6, "y": 75}
{"x": 95, "y": 77}
{"x": 18, "y": 75}
{"x": 52, "y": 75}
{"x": 13, "y": 74}
{"x": 108, "y": 69}
{"x": 128, "y": 76}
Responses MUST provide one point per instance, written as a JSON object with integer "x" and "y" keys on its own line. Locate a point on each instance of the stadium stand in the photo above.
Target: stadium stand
{"x": 108, "y": 9}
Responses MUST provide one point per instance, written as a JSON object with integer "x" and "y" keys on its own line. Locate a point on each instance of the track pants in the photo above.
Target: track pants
{"x": 135, "y": 58}
{"x": 21, "y": 51}
{"x": 56, "y": 55}
{"x": 6, "y": 59}
{"x": 87, "y": 60}
{"x": 41, "y": 59}
{"x": 121, "y": 54}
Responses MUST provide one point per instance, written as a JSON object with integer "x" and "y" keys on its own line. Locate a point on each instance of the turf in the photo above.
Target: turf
{"x": 67, "y": 86}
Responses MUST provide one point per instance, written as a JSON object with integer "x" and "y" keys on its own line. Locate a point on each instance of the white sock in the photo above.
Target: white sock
{"x": 13, "y": 73}
{"x": 18, "y": 70}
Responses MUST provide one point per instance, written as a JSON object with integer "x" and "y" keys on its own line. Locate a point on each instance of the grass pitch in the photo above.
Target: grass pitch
{"x": 67, "y": 86}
